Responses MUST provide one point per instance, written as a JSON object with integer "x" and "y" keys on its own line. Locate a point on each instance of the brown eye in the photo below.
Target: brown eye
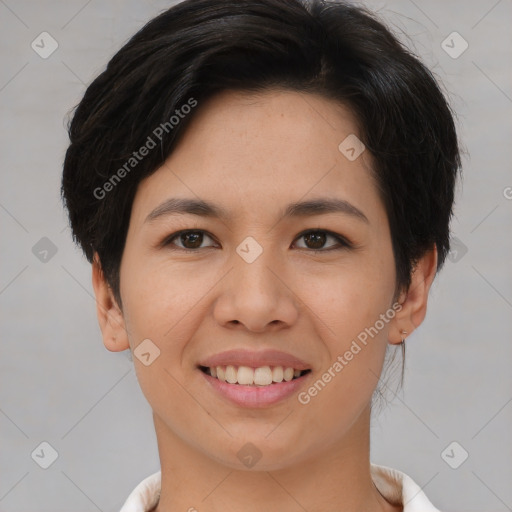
{"x": 194, "y": 238}
{"x": 189, "y": 240}
{"x": 315, "y": 240}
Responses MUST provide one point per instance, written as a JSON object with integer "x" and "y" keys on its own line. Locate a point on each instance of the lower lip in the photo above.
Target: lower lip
{"x": 256, "y": 396}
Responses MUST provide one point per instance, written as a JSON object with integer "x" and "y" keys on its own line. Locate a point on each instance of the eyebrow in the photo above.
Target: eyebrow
{"x": 199, "y": 207}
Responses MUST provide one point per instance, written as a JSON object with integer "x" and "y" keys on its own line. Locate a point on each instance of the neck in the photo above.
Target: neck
{"x": 338, "y": 479}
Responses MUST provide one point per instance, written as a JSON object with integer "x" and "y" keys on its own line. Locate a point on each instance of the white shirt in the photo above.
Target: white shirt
{"x": 394, "y": 485}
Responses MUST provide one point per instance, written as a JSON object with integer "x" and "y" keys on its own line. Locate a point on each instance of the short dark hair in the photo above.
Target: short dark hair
{"x": 200, "y": 47}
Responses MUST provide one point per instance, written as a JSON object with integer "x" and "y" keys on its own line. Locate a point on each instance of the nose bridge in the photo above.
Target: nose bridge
{"x": 253, "y": 263}
{"x": 254, "y": 294}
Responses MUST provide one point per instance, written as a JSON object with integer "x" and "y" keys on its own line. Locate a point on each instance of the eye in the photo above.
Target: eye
{"x": 318, "y": 237}
{"x": 191, "y": 239}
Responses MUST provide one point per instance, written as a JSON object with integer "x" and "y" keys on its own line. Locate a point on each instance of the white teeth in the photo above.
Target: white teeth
{"x": 221, "y": 375}
{"x": 288, "y": 374}
{"x": 263, "y": 376}
{"x": 231, "y": 374}
{"x": 245, "y": 375}
{"x": 277, "y": 374}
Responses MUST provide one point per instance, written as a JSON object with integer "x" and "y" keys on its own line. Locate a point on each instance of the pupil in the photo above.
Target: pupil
{"x": 196, "y": 237}
{"x": 317, "y": 237}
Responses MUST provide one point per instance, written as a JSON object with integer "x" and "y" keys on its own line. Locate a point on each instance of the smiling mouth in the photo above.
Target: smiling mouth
{"x": 247, "y": 376}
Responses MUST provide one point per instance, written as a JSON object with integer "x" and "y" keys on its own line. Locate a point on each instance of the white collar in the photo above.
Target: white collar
{"x": 395, "y": 486}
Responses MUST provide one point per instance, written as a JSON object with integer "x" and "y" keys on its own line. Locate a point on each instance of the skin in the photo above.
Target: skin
{"x": 254, "y": 154}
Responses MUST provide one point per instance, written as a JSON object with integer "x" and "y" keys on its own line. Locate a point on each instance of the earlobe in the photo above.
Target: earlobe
{"x": 414, "y": 300}
{"x": 110, "y": 316}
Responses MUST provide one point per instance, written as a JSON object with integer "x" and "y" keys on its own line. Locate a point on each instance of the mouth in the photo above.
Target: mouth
{"x": 257, "y": 377}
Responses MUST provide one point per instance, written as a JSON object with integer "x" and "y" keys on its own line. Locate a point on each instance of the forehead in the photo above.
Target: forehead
{"x": 276, "y": 118}
{"x": 251, "y": 150}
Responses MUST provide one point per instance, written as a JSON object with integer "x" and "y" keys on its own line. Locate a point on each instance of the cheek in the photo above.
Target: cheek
{"x": 355, "y": 336}
{"x": 348, "y": 299}
{"x": 162, "y": 303}
{"x": 160, "y": 299}
{"x": 353, "y": 310}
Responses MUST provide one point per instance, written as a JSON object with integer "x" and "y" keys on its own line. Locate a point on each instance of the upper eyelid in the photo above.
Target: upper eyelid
{"x": 321, "y": 230}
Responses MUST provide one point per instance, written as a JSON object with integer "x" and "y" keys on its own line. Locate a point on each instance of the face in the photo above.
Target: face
{"x": 254, "y": 276}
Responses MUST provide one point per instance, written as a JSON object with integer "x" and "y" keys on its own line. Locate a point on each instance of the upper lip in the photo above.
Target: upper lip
{"x": 255, "y": 359}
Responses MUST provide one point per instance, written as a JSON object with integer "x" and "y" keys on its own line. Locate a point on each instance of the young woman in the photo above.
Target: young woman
{"x": 264, "y": 190}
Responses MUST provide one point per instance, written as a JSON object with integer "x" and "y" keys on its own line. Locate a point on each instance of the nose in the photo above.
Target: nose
{"x": 257, "y": 296}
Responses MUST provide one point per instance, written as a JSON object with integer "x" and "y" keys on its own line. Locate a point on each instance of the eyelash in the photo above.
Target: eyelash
{"x": 343, "y": 242}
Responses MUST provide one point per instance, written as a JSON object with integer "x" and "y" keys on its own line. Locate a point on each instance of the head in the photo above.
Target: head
{"x": 248, "y": 109}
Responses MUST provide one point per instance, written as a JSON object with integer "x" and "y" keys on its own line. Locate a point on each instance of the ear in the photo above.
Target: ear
{"x": 413, "y": 301}
{"x": 110, "y": 316}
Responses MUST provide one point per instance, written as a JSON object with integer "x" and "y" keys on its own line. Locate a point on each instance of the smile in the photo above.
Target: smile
{"x": 256, "y": 388}
{"x": 247, "y": 376}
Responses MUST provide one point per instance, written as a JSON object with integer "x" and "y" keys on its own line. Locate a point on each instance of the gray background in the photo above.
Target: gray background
{"x": 60, "y": 385}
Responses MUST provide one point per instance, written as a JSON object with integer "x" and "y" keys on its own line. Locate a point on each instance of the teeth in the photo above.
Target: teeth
{"x": 288, "y": 374}
{"x": 231, "y": 374}
{"x": 245, "y": 375}
{"x": 277, "y": 374}
{"x": 221, "y": 375}
{"x": 262, "y": 376}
